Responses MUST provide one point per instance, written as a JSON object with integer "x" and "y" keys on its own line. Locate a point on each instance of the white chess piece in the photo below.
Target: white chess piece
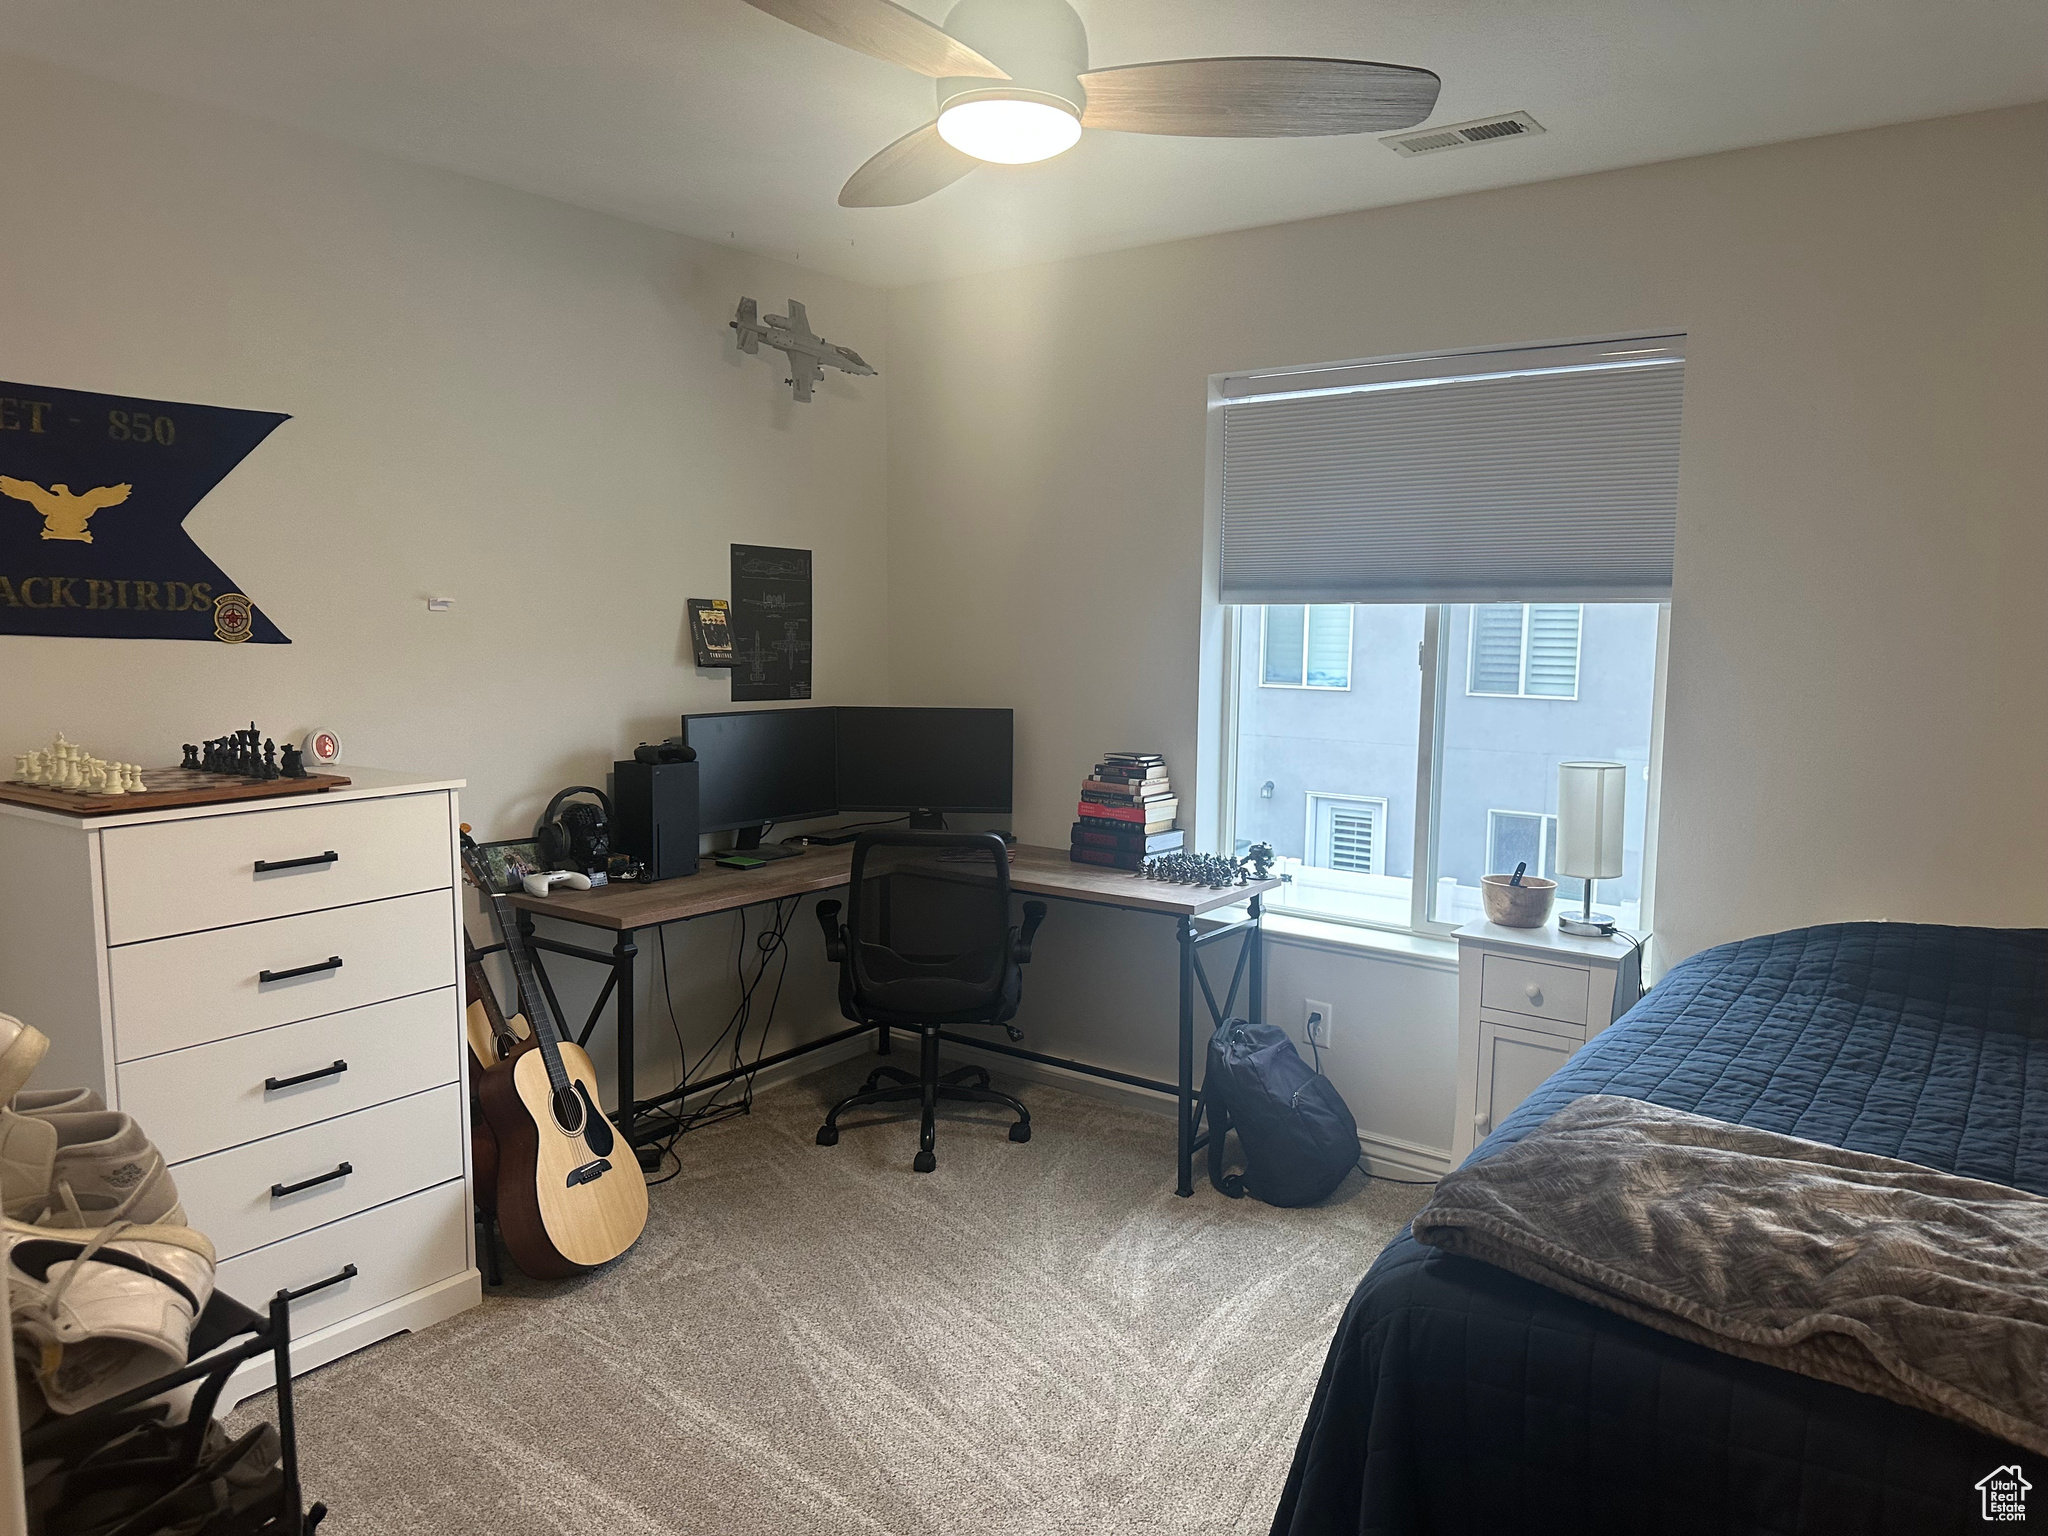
{"x": 135, "y": 784}
{"x": 21, "y": 768}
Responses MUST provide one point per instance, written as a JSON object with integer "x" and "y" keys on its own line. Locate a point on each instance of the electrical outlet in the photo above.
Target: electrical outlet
{"x": 1316, "y": 1020}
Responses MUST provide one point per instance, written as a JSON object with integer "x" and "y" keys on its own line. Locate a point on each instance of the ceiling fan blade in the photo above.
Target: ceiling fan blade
{"x": 884, "y": 31}
{"x": 911, "y": 169}
{"x": 1258, "y": 98}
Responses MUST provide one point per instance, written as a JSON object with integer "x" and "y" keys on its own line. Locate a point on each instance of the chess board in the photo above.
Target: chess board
{"x": 169, "y": 789}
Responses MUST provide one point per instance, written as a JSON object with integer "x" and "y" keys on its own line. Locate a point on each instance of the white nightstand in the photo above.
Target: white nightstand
{"x": 1528, "y": 998}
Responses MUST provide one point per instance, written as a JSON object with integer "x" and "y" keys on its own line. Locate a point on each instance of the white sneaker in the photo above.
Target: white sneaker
{"x": 57, "y": 1101}
{"x": 83, "y": 1170}
{"x": 22, "y": 1046}
{"x": 99, "y": 1312}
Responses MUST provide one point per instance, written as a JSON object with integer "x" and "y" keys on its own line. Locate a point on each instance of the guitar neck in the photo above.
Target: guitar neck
{"x": 547, "y": 1033}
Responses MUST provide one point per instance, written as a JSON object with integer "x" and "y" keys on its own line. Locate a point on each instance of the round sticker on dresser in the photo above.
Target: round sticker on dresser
{"x": 322, "y": 747}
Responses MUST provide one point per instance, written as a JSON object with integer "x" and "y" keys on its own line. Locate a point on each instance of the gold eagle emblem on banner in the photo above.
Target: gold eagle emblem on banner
{"x": 65, "y": 511}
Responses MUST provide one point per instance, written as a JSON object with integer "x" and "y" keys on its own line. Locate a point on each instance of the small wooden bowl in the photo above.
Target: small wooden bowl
{"x": 1517, "y": 906}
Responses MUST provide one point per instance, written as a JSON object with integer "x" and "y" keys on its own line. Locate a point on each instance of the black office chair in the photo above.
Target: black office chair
{"x": 927, "y": 944}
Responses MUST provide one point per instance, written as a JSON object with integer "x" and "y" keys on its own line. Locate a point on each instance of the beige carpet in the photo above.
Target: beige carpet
{"x": 1037, "y": 1338}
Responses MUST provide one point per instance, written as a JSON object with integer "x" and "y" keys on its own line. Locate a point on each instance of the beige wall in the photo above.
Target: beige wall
{"x": 1855, "y": 725}
{"x": 534, "y": 410}
{"x": 537, "y": 411}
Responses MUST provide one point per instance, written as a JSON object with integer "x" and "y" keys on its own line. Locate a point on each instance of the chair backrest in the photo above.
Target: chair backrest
{"x": 928, "y": 923}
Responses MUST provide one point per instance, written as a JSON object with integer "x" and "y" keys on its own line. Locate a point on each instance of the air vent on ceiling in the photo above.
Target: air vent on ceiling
{"x": 1483, "y": 130}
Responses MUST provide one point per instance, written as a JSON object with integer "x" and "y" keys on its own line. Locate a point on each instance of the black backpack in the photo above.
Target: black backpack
{"x": 1297, "y": 1132}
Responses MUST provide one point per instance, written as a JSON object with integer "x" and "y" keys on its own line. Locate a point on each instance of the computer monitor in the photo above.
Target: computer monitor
{"x": 760, "y": 766}
{"x": 925, "y": 760}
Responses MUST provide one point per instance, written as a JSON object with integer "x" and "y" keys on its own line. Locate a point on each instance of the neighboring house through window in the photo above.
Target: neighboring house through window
{"x": 1525, "y": 650}
{"x": 1306, "y": 646}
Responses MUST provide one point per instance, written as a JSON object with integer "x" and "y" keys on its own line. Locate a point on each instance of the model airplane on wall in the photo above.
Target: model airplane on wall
{"x": 809, "y": 354}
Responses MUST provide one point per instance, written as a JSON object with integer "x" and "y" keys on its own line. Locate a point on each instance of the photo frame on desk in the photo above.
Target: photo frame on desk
{"x": 510, "y": 862}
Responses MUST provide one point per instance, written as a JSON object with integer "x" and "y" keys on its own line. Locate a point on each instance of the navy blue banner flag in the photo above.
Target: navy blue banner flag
{"x": 94, "y": 492}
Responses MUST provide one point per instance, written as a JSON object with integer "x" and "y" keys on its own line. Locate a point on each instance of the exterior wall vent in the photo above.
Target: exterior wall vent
{"x": 1482, "y": 130}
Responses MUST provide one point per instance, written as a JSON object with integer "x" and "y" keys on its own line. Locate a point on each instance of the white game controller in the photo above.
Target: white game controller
{"x": 542, "y": 885}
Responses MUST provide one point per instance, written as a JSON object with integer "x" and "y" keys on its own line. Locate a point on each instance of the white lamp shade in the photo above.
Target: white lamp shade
{"x": 1590, "y": 797}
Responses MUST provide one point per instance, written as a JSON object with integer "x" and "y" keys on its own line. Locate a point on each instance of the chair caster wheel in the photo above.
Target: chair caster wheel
{"x": 1021, "y": 1131}
{"x": 924, "y": 1162}
{"x": 828, "y": 1136}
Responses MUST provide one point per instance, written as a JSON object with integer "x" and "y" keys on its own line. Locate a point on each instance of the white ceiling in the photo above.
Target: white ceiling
{"x": 711, "y": 118}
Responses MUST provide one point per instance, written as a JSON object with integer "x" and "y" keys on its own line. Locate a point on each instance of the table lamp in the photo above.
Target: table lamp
{"x": 1590, "y": 797}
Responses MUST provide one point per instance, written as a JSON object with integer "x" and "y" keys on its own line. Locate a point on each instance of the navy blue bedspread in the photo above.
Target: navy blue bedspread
{"x": 1460, "y": 1398}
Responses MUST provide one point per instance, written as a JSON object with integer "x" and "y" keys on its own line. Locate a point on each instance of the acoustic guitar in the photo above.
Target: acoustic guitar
{"x": 570, "y": 1192}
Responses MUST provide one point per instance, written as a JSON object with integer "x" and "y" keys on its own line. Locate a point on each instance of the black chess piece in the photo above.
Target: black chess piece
{"x": 191, "y": 758}
{"x": 269, "y": 761}
{"x": 206, "y": 757}
{"x": 294, "y": 765}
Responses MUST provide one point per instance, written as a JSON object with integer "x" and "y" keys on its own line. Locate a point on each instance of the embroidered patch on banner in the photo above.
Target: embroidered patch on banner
{"x": 94, "y": 493}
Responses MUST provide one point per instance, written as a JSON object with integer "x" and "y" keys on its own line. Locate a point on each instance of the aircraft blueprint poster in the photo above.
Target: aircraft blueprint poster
{"x": 771, "y": 623}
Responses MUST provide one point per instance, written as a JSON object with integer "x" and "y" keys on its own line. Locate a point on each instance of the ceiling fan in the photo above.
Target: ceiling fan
{"x": 1014, "y": 86}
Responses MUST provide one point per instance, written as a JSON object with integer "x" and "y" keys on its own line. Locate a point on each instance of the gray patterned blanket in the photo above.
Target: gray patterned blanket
{"x": 1881, "y": 1275}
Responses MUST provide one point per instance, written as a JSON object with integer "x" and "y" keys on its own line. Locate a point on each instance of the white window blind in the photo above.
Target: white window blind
{"x": 1306, "y": 647}
{"x": 1548, "y": 474}
{"x": 1525, "y": 650}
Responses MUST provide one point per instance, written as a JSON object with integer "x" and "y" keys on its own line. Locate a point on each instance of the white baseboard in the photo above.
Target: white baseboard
{"x": 1389, "y": 1157}
{"x": 444, "y": 1298}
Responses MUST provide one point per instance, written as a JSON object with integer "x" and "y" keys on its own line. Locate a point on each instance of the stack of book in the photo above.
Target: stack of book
{"x": 1127, "y": 812}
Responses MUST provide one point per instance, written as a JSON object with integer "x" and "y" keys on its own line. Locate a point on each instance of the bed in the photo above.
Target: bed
{"x": 1460, "y": 1398}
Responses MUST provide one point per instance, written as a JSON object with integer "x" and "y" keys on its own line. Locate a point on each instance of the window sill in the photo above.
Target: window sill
{"x": 1426, "y": 950}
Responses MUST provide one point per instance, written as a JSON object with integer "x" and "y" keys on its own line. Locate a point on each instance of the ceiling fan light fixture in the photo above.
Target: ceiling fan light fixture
{"x": 1010, "y": 129}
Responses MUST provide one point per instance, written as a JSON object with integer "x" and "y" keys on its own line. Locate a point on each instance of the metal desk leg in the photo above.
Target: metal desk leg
{"x": 1184, "y": 1106}
{"x": 626, "y": 1115}
{"x": 1255, "y": 1006}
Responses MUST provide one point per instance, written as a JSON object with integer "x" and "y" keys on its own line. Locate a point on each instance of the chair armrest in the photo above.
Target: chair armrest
{"x": 835, "y": 936}
{"x": 1020, "y": 944}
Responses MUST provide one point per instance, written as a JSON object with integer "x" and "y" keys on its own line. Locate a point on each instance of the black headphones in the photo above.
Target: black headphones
{"x": 578, "y": 837}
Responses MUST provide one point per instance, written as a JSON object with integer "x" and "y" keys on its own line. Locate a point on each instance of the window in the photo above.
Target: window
{"x": 1306, "y": 646}
{"x": 1354, "y": 771}
{"x": 1525, "y": 650}
{"x": 1400, "y": 526}
{"x": 1344, "y": 833}
{"x": 1521, "y": 837}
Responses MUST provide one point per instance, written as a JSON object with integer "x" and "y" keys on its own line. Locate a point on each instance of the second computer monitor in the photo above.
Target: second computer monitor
{"x": 763, "y": 765}
{"x": 925, "y": 760}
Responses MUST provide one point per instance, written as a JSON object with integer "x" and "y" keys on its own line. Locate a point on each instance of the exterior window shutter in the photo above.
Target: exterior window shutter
{"x": 1544, "y": 474}
{"x": 1329, "y": 647}
{"x": 1283, "y": 646}
{"x": 1553, "y": 650}
{"x": 1353, "y": 833}
{"x": 1497, "y": 648}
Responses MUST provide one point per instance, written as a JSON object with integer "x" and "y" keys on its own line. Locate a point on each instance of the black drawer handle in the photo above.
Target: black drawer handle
{"x": 279, "y": 1191}
{"x": 348, "y": 1272}
{"x": 272, "y": 1084}
{"x": 331, "y": 963}
{"x": 265, "y": 866}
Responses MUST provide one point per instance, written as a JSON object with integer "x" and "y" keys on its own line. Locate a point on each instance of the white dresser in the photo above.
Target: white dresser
{"x": 1527, "y": 999}
{"x": 273, "y": 990}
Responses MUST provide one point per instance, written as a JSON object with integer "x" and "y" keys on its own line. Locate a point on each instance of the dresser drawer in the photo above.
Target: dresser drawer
{"x": 179, "y": 876}
{"x": 391, "y": 1150}
{"x": 1514, "y": 985}
{"x": 172, "y": 993}
{"x": 396, "y": 1249}
{"x": 207, "y": 1097}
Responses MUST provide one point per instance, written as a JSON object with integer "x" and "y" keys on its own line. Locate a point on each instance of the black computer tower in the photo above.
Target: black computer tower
{"x": 654, "y": 816}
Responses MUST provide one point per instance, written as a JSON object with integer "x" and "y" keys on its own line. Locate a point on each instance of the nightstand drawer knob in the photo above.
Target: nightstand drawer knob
{"x": 1482, "y": 1122}
{"x": 1535, "y": 994}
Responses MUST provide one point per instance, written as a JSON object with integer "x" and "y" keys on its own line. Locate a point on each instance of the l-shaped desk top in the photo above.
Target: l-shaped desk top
{"x": 623, "y": 908}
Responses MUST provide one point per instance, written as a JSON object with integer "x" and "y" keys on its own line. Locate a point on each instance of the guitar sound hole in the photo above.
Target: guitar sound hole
{"x": 568, "y": 1110}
